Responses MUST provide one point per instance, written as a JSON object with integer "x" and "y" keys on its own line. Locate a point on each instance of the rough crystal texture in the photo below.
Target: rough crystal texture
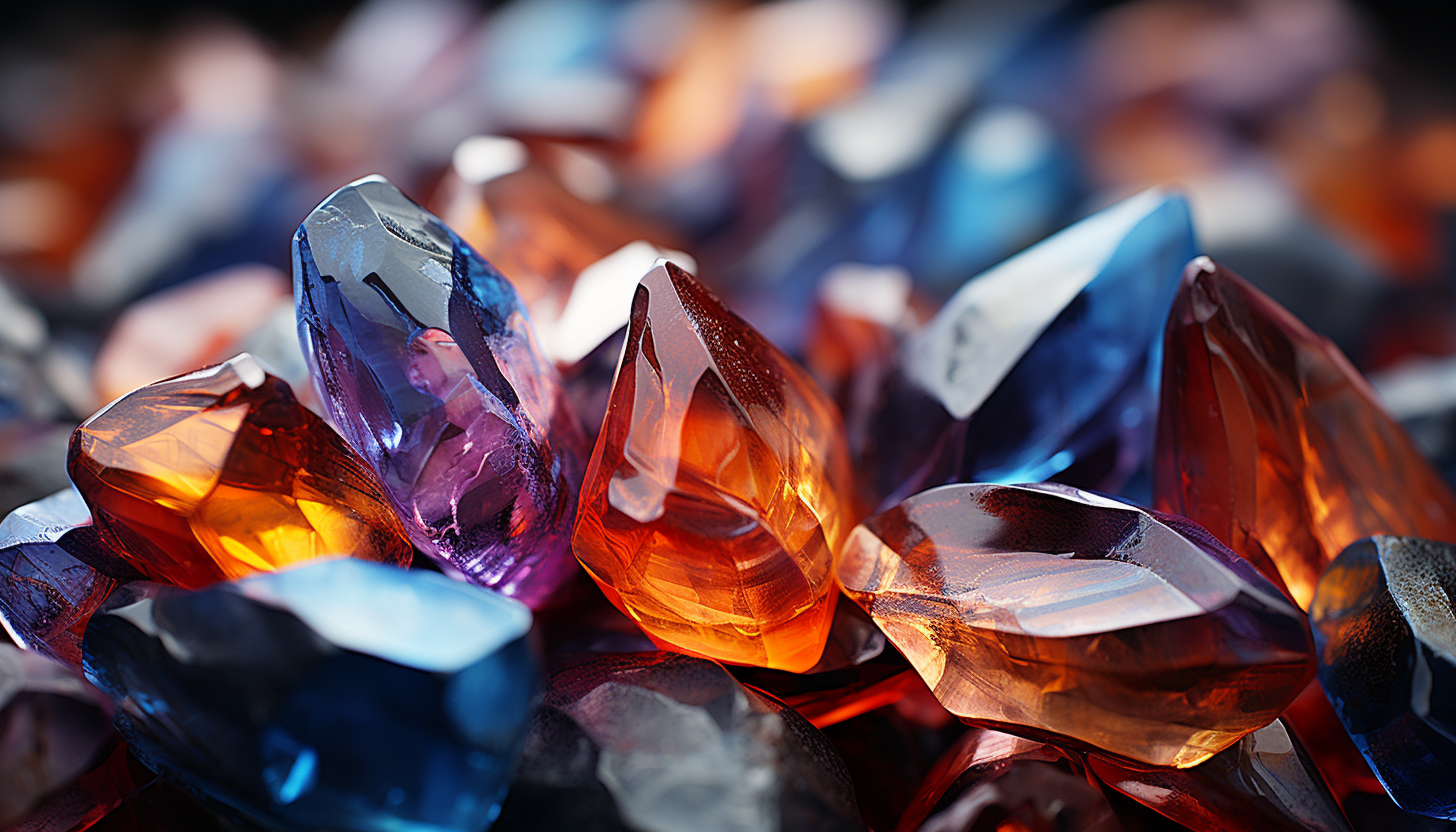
{"x": 53, "y": 726}
{"x": 1071, "y": 615}
{"x": 1265, "y": 783}
{"x": 1386, "y": 633}
{"x": 54, "y": 573}
{"x": 718, "y": 492}
{"x": 1043, "y": 366}
{"x": 1268, "y": 438}
{"x": 222, "y": 473}
{"x": 663, "y": 741}
{"x": 342, "y": 694}
{"x": 427, "y": 364}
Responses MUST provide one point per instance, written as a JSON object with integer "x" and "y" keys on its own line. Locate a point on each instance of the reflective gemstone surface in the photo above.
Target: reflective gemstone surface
{"x": 1272, "y": 441}
{"x": 427, "y": 364}
{"x": 1067, "y": 614}
{"x": 341, "y": 694}
{"x": 718, "y": 491}
{"x": 222, "y": 473}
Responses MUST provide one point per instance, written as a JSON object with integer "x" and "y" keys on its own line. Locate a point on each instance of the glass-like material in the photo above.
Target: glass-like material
{"x": 221, "y": 473}
{"x": 1072, "y": 615}
{"x": 1268, "y": 438}
{"x": 426, "y": 363}
{"x": 718, "y": 492}
{"x": 340, "y": 695}
{"x": 1386, "y": 633}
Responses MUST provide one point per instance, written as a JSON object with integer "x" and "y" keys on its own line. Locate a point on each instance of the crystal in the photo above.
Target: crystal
{"x": 341, "y": 694}
{"x": 1268, "y": 438}
{"x": 1066, "y": 614}
{"x": 54, "y": 573}
{"x": 427, "y": 364}
{"x": 1264, "y": 783}
{"x": 1045, "y": 363}
{"x": 718, "y": 491}
{"x": 1386, "y": 636}
{"x": 588, "y": 382}
{"x": 91, "y": 797}
{"x": 222, "y": 473}
{"x": 53, "y": 726}
{"x": 663, "y": 741}
{"x": 887, "y": 756}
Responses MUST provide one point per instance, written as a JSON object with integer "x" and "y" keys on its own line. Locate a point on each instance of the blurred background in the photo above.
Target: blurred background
{"x": 859, "y": 155}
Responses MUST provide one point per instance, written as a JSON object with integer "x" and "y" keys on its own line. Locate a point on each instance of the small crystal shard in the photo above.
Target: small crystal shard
{"x": 1386, "y": 634}
{"x": 222, "y": 473}
{"x": 1062, "y": 613}
{"x": 1268, "y": 438}
{"x": 53, "y": 727}
{"x": 1265, "y": 783}
{"x": 428, "y": 365}
{"x": 340, "y": 695}
{"x": 662, "y": 741}
{"x": 718, "y": 492}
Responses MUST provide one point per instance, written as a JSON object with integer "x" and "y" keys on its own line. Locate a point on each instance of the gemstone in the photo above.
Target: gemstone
{"x": 1386, "y": 636}
{"x": 1264, "y": 783}
{"x": 53, "y": 727}
{"x": 654, "y": 741}
{"x": 87, "y": 800}
{"x": 51, "y": 575}
{"x": 1269, "y": 439}
{"x": 976, "y": 754}
{"x": 1044, "y": 366}
{"x": 888, "y": 755}
{"x": 341, "y": 694}
{"x": 427, "y": 364}
{"x": 1063, "y": 614}
{"x": 588, "y": 382}
{"x": 221, "y": 473}
{"x": 719, "y": 491}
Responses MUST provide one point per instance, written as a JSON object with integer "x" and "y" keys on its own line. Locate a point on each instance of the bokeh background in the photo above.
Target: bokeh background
{"x": 155, "y": 160}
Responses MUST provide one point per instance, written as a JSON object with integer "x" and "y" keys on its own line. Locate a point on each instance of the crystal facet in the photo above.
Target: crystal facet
{"x": 1268, "y": 438}
{"x": 53, "y": 726}
{"x": 1045, "y": 365}
{"x": 427, "y": 364}
{"x": 340, "y": 694}
{"x": 718, "y": 491}
{"x": 222, "y": 473}
{"x": 1265, "y": 783}
{"x": 1386, "y": 633}
{"x": 1071, "y": 615}
{"x": 663, "y": 741}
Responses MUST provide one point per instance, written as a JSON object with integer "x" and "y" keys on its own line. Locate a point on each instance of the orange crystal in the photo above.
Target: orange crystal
{"x": 1272, "y": 441}
{"x": 717, "y": 494}
{"x": 221, "y": 473}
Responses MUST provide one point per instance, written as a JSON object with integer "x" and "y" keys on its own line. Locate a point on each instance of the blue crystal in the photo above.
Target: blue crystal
{"x": 1044, "y": 367}
{"x": 1386, "y": 638}
{"x": 340, "y": 695}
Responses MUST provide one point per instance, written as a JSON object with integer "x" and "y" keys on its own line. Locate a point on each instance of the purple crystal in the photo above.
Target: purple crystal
{"x": 428, "y": 365}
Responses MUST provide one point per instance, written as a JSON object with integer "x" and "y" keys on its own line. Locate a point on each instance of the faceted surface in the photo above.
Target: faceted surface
{"x": 718, "y": 492}
{"x": 341, "y": 694}
{"x": 1270, "y": 439}
{"x": 1068, "y": 614}
{"x": 1386, "y": 633}
{"x": 51, "y": 578}
{"x": 662, "y": 741}
{"x": 222, "y": 473}
{"x": 53, "y": 726}
{"x": 1045, "y": 365}
{"x": 427, "y": 364}
{"x": 1264, "y": 783}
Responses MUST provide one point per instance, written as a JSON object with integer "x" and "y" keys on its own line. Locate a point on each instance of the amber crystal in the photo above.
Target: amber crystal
{"x": 1055, "y": 612}
{"x": 716, "y": 497}
{"x": 221, "y": 473}
{"x": 1272, "y": 441}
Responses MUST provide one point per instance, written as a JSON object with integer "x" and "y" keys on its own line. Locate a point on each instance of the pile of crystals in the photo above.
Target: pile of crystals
{"x": 909, "y": 588}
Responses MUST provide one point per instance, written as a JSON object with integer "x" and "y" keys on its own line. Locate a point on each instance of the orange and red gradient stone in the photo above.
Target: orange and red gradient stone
{"x": 719, "y": 492}
{"x": 1272, "y": 441}
{"x": 221, "y": 473}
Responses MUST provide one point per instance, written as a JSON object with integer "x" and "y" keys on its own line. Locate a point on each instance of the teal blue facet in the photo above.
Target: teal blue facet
{"x": 342, "y": 695}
